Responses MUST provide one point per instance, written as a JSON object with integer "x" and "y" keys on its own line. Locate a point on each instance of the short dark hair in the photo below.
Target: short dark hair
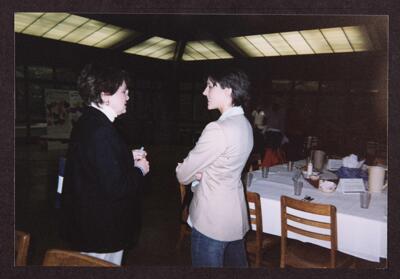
{"x": 95, "y": 79}
{"x": 236, "y": 80}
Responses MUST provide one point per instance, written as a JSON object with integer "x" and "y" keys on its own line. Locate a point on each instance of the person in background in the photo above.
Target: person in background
{"x": 274, "y": 136}
{"x": 275, "y": 126}
{"x": 218, "y": 211}
{"x": 259, "y": 119}
{"x": 259, "y": 129}
{"x": 100, "y": 203}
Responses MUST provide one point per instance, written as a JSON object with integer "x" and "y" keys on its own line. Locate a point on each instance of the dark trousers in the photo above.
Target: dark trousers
{"x": 258, "y": 139}
{"x": 273, "y": 139}
{"x": 208, "y": 252}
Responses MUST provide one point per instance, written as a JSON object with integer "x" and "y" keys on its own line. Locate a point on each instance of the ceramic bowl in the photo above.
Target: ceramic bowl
{"x": 327, "y": 186}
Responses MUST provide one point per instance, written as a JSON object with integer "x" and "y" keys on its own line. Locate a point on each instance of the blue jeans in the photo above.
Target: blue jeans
{"x": 208, "y": 252}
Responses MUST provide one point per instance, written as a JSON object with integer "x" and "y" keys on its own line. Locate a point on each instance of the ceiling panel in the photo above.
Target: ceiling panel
{"x": 315, "y": 41}
{"x": 367, "y": 33}
{"x": 204, "y": 50}
{"x": 155, "y": 47}
{"x": 71, "y": 28}
{"x": 337, "y": 39}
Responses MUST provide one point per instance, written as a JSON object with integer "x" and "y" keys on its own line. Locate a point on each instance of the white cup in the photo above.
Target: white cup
{"x": 376, "y": 179}
{"x": 318, "y": 159}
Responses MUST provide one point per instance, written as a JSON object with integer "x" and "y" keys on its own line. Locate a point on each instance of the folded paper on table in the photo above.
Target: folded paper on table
{"x": 351, "y": 161}
{"x": 351, "y": 185}
{"x": 334, "y": 164}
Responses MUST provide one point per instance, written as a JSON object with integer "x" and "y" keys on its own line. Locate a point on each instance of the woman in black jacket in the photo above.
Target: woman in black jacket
{"x": 101, "y": 191}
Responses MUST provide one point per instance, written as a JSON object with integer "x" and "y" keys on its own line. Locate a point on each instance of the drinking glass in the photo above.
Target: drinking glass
{"x": 298, "y": 186}
{"x": 365, "y": 198}
{"x": 264, "y": 171}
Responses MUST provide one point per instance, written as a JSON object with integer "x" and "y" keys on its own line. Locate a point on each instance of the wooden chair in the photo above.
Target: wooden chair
{"x": 306, "y": 255}
{"x": 56, "y": 257}
{"x": 22, "y": 240}
{"x": 253, "y": 162}
{"x": 255, "y": 166}
{"x": 185, "y": 230}
{"x": 257, "y": 242}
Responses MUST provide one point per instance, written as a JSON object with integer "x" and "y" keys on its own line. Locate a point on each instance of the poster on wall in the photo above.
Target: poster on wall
{"x": 63, "y": 108}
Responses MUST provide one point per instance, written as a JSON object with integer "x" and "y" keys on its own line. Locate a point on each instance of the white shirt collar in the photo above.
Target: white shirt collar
{"x": 109, "y": 112}
{"x": 231, "y": 112}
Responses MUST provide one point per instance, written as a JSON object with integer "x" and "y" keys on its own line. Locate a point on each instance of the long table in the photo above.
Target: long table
{"x": 361, "y": 232}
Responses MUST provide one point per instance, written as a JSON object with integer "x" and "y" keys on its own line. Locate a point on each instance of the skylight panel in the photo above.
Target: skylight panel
{"x": 337, "y": 39}
{"x": 139, "y": 47}
{"x": 191, "y": 54}
{"x": 316, "y": 41}
{"x": 116, "y": 37}
{"x": 44, "y": 23}
{"x": 168, "y": 55}
{"x": 187, "y": 57}
{"x": 23, "y": 20}
{"x": 155, "y": 47}
{"x": 358, "y": 37}
{"x": 165, "y": 51}
{"x": 246, "y": 46}
{"x": 99, "y": 35}
{"x": 297, "y": 42}
{"x": 71, "y": 28}
{"x": 205, "y": 49}
{"x": 64, "y": 27}
{"x": 258, "y": 42}
{"x": 83, "y": 31}
{"x": 279, "y": 44}
{"x": 202, "y": 49}
{"x": 152, "y": 48}
{"x": 254, "y": 46}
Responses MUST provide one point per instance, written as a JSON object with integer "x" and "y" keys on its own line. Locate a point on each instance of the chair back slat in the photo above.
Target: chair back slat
{"x": 185, "y": 199}
{"x": 315, "y": 235}
{"x": 297, "y": 224}
{"x": 314, "y": 208}
{"x": 309, "y": 222}
{"x": 57, "y": 257}
{"x": 22, "y": 240}
{"x": 255, "y": 213}
{"x": 257, "y": 242}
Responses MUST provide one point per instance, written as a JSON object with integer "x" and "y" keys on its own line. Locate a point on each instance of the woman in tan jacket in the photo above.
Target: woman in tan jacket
{"x": 218, "y": 210}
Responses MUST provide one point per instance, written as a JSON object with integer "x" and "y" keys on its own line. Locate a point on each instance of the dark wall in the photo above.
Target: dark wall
{"x": 168, "y": 107}
{"x": 346, "y": 110}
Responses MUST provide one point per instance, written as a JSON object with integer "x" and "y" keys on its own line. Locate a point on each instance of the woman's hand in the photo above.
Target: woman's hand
{"x": 143, "y": 164}
{"x": 138, "y": 154}
{"x": 198, "y": 175}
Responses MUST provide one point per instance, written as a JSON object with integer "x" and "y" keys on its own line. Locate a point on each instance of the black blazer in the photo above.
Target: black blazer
{"x": 100, "y": 204}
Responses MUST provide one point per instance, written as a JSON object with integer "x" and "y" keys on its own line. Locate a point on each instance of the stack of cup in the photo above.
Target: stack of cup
{"x": 365, "y": 198}
{"x": 298, "y": 186}
{"x": 290, "y": 165}
{"x": 264, "y": 171}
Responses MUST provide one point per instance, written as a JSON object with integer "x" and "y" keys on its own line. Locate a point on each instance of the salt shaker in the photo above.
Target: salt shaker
{"x": 309, "y": 168}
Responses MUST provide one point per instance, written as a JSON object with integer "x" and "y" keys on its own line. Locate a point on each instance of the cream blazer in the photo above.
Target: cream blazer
{"x": 218, "y": 208}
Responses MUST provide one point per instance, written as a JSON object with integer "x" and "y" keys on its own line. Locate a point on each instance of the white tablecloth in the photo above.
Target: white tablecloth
{"x": 361, "y": 232}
